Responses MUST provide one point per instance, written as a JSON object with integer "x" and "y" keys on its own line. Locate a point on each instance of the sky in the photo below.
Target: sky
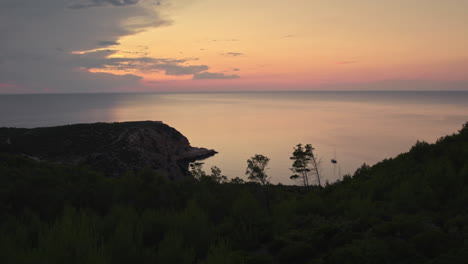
{"x": 75, "y": 46}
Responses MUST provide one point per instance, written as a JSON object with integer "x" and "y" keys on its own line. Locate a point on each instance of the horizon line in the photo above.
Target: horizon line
{"x": 212, "y": 92}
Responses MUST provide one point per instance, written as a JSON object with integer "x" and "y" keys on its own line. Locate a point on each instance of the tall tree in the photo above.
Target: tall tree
{"x": 305, "y": 164}
{"x": 256, "y": 169}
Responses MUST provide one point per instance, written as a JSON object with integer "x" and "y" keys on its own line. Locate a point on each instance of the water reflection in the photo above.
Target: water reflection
{"x": 359, "y": 126}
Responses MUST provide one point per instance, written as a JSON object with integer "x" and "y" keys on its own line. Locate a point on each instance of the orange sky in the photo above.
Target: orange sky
{"x": 312, "y": 42}
{"x": 242, "y": 44}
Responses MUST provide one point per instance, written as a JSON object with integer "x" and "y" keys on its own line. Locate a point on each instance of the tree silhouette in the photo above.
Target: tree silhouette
{"x": 304, "y": 164}
{"x": 196, "y": 169}
{"x": 217, "y": 176}
{"x": 256, "y": 169}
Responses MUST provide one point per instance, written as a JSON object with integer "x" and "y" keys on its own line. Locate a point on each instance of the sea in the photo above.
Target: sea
{"x": 350, "y": 127}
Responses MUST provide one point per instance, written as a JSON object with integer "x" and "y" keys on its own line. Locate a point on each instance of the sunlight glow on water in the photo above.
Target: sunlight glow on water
{"x": 359, "y": 126}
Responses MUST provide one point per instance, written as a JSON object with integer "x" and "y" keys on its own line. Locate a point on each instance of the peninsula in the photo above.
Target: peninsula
{"x": 111, "y": 148}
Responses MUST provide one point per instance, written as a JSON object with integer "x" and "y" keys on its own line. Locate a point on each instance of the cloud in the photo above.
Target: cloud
{"x": 346, "y": 62}
{"x": 38, "y": 38}
{"x": 107, "y": 43}
{"x": 100, "y": 60}
{"x": 213, "y": 76}
{"x": 79, "y": 4}
{"x": 172, "y": 69}
{"x": 236, "y": 69}
{"x": 6, "y": 85}
{"x": 288, "y": 36}
{"x": 228, "y": 40}
{"x": 47, "y": 46}
{"x": 233, "y": 54}
{"x": 141, "y": 53}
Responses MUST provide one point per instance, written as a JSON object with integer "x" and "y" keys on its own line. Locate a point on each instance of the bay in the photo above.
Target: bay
{"x": 352, "y": 127}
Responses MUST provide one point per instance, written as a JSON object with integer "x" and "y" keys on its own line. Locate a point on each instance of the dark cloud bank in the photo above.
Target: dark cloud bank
{"x": 39, "y": 36}
{"x": 107, "y": 43}
{"x": 79, "y": 4}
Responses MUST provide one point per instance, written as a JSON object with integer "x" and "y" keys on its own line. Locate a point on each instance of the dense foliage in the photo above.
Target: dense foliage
{"x": 410, "y": 209}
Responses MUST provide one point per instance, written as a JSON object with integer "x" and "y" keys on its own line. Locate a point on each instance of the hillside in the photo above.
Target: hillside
{"x": 113, "y": 148}
{"x": 409, "y": 209}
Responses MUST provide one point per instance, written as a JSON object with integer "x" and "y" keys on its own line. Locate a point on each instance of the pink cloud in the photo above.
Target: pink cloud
{"x": 7, "y": 85}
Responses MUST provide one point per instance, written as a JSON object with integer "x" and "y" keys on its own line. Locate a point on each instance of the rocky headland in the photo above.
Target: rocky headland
{"x": 112, "y": 148}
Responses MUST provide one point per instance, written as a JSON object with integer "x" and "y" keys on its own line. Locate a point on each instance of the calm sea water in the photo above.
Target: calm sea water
{"x": 353, "y": 127}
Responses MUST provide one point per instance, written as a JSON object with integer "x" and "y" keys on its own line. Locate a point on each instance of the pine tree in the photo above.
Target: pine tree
{"x": 304, "y": 164}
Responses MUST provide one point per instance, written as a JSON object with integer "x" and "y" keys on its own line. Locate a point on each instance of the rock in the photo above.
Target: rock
{"x": 113, "y": 148}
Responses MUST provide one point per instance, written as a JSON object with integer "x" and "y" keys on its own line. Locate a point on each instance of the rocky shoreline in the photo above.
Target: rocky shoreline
{"x": 112, "y": 148}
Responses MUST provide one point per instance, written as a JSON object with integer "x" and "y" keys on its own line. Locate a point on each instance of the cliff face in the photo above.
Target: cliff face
{"x": 112, "y": 148}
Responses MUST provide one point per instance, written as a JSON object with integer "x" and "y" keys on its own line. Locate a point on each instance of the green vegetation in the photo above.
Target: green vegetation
{"x": 410, "y": 209}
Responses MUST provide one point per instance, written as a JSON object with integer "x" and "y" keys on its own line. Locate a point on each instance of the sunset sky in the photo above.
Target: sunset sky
{"x": 218, "y": 45}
